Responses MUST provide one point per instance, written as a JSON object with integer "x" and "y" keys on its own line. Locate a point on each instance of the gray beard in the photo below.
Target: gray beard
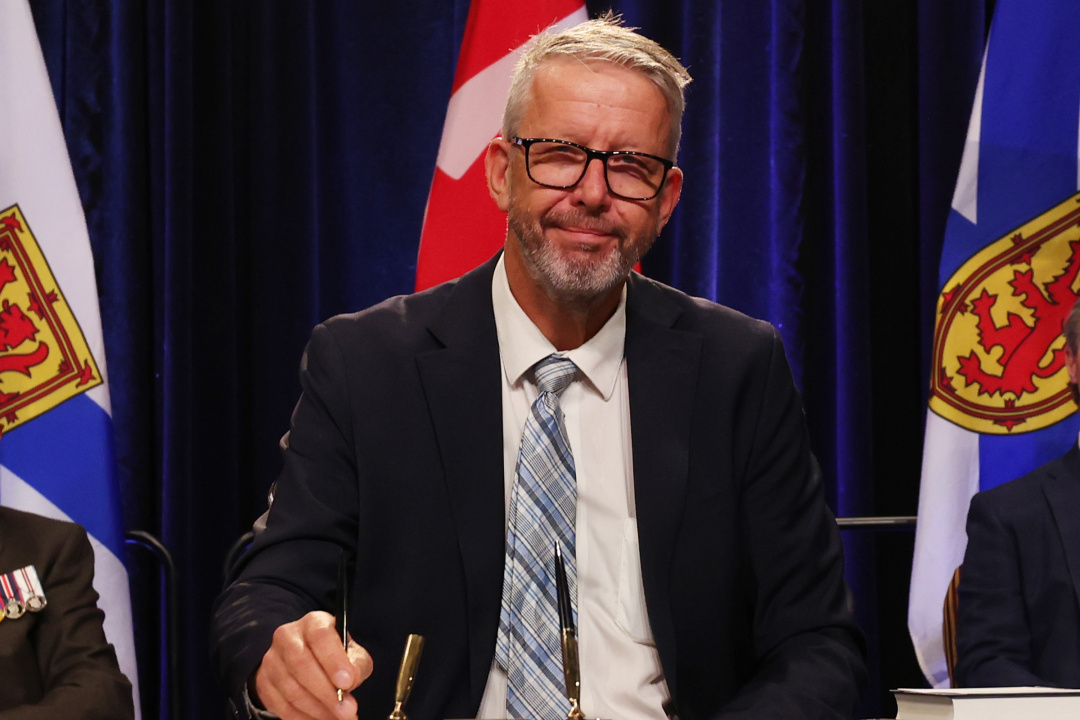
{"x": 577, "y": 282}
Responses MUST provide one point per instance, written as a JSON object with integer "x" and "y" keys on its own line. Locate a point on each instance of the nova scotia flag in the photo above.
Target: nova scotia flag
{"x": 56, "y": 451}
{"x": 1007, "y": 278}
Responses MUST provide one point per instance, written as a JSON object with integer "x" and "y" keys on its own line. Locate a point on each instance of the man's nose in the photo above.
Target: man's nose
{"x": 593, "y": 189}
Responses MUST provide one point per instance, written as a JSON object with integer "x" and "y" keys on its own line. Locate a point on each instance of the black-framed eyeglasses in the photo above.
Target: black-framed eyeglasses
{"x": 560, "y": 164}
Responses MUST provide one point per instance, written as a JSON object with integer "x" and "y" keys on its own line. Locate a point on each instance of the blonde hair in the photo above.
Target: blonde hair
{"x": 604, "y": 39}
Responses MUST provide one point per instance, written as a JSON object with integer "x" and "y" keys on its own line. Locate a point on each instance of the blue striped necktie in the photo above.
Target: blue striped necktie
{"x": 543, "y": 509}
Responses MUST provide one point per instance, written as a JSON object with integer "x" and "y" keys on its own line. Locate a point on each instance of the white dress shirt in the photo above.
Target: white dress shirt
{"x": 621, "y": 675}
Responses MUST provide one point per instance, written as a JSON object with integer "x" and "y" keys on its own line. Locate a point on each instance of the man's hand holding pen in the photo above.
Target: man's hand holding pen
{"x": 305, "y": 667}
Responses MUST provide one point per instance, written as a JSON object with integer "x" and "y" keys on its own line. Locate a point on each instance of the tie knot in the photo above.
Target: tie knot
{"x": 554, "y": 373}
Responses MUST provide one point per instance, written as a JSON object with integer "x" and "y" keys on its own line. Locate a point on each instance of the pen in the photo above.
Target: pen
{"x": 342, "y": 609}
{"x": 562, "y": 588}
{"x": 571, "y": 669}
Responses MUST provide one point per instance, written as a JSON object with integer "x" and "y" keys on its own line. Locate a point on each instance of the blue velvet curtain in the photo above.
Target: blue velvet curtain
{"x": 250, "y": 168}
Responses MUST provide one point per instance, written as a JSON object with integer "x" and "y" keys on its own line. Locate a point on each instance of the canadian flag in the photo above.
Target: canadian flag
{"x": 462, "y": 225}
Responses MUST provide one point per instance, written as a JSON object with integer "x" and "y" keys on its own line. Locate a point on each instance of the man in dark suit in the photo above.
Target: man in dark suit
{"x": 55, "y": 660}
{"x": 1018, "y": 617}
{"x": 709, "y": 569}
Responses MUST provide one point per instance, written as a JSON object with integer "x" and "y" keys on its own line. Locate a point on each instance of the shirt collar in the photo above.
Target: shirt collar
{"x": 522, "y": 345}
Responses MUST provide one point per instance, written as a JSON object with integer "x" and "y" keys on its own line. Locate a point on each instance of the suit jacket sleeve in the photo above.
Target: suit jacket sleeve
{"x": 807, "y": 650}
{"x": 78, "y": 667}
{"x": 291, "y": 569}
{"x": 993, "y": 638}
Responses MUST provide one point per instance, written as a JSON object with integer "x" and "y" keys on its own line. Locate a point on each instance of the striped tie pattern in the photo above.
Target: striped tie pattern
{"x": 542, "y": 511}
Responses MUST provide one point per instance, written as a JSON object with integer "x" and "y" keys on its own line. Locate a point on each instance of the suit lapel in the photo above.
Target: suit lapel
{"x": 1062, "y": 490}
{"x": 462, "y": 385}
{"x": 662, "y": 365}
{"x": 463, "y": 389}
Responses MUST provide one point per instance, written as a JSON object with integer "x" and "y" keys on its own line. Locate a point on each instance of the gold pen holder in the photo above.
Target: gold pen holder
{"x": 572, "y": 674}
{"x": 410, "y": 661}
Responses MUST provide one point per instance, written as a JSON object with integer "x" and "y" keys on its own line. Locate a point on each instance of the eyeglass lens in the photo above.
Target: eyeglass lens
{"x": 562, "y": 166}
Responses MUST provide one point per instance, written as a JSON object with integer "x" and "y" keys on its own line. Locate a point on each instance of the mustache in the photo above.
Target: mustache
{"x": 581, "y": 220}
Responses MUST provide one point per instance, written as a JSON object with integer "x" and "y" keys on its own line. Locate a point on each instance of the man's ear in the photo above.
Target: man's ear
{"x": 497, "y": 169}
{"x": 670, "y": 194}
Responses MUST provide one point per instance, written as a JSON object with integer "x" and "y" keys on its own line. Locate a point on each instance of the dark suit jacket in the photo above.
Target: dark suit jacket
{"x": 1018, "y": 620}
{"x": 396, "y": 451}
{"x": 56, "y": 664}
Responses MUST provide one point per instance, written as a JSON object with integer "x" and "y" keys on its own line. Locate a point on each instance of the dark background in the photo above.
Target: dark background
{"x": 251, "y": 168}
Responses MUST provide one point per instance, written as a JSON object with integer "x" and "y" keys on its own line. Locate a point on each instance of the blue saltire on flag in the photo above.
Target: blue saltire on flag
{"x": 56, "y": 456}
{"x": 1020, "y": 160}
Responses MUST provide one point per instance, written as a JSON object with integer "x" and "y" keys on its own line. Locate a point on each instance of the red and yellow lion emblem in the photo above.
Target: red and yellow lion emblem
{"x": 44, "y": 358}
{"x": 999, "y": 365}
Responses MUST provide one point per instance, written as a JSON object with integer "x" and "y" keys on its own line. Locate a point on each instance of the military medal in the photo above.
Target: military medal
{"x": 30, "y": 588}
{"x": 20, "y": 590}
{"x": 9, "y": 594}
{"x": 13, "y": 609}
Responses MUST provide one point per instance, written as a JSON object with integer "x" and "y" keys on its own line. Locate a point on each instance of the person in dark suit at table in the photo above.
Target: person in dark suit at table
{"x": 1018, "y": 609}
{"x": 54, "y": 659}
{"x": 1018, "y": 618}
{"x": 709, "y": 570}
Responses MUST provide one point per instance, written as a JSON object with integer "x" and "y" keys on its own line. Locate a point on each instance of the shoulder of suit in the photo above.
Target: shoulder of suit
{"x": 397, "y": 309}
{"x": 28, "y": 527}
{"x": 696, "y": 313}
{"x": 1014, "y": 495}
{"x": 24, "y": 519}
{"x": 404, "y": 322}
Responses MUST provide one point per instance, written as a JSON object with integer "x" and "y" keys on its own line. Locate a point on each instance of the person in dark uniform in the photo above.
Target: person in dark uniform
{"x": 55, "y": 663}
